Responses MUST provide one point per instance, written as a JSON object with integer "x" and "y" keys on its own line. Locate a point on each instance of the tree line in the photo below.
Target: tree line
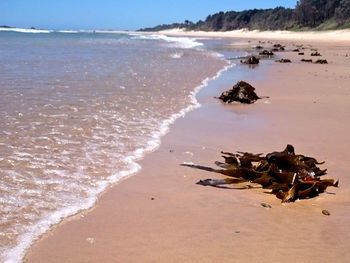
{"x": 307, "y": 14}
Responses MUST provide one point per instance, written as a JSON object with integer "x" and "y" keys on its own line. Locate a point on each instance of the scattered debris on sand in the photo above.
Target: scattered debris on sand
{"x": 315, "y": 54}
{"x": 277, "y": 48}
{"x": 288, "y": 175}
{"x": 283, "y": 60}
{"x": 266, "y": 53}
{"x": 252, "y": 60}
{"x": 242, "y": 92}
{"x": 321, "y": 61}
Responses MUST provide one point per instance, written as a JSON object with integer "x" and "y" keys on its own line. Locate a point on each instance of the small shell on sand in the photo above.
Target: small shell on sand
{"x": 266, "y": 205}
{"x": 90, "y": 240}
{"x": 326, "y": 212}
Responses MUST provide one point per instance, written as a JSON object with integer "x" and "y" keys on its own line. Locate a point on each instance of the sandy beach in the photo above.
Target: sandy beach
{"x": 321, "y": 36}
{"x": 161, "y": 215}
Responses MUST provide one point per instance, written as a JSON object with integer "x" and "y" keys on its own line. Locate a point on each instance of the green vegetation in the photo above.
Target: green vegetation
{"x": 308, "y": 14}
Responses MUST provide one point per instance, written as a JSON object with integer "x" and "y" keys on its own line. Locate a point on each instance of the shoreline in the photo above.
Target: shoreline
{"x": 322, "y": 36}
{"x": 134, "y": 219}
{"x": 48, "y": 224}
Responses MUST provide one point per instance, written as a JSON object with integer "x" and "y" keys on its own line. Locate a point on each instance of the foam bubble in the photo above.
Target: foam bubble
{"x": 176, "y": 55}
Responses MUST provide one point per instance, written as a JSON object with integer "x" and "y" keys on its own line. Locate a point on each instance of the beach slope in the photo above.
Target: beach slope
{"x": 162, "y": 215}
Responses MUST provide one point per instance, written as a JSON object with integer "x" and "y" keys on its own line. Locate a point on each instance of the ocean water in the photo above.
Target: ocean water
{"x": 77, "y": 110}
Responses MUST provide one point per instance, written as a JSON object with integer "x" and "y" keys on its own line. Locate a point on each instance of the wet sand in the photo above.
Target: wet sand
{"x": 162, "y": 215}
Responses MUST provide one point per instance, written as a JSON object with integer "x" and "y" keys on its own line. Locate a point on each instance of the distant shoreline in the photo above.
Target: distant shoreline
{"x": 331, "y": 35}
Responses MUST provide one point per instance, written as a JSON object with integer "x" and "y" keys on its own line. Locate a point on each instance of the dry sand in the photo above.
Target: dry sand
{"x": 162, "y": 215}
{"x": 323, "y": 36}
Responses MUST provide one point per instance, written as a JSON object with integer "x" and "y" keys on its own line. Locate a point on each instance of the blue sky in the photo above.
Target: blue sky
{"x": 118, "y": 14}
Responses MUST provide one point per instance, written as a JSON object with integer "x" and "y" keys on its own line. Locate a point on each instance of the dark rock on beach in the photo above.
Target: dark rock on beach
{"x": 301, "y": 53}
{"x": 306, "y": 60}
{"x": 250, "y": 61}
{"x": 242, "y": 92}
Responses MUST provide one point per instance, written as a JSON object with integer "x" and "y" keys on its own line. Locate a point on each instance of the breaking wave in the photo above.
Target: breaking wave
{"x": 74, "y": 149}
{"x": 179, "y": 42}
{"x": 25, "y": 30}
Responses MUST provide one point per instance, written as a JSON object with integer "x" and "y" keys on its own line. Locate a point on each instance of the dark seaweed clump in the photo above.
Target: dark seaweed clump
{"x": 321, "y": 61}
{"x": 242, "y": 92}
{"x": 252, "y": 60}
{"x": 266, "y": 53}
{"x": 283, "y": 60}
{"x": 288, "y": 175}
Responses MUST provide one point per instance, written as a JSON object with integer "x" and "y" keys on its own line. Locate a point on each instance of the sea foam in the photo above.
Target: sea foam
{"x": 179, "y": 42}
{"x": 69, "y": 31}
{"x": 16, "y": 253}
{"x": 25, "y": 30}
